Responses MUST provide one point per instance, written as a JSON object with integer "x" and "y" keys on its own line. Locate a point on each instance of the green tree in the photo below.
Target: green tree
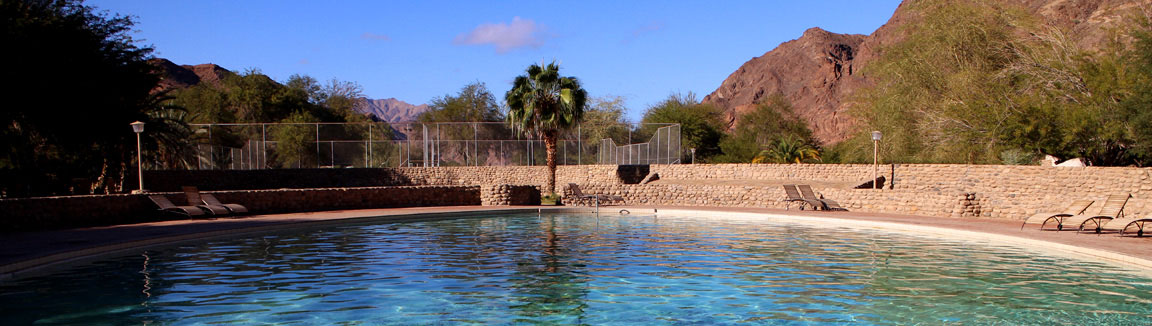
{"x": 974, "y": 80}
{"x": 788, "y": 149}
{"x": 1137, "y": 106}
{"x": 473, "y": 103}
{"x": 76, "y": 81}
{"x": 771, "y": 121}
{"x": 701, "y": 125}
{"x": 544, "y": 103}
{"x": 295, "y": 141}
{"x": 603, "y": 119}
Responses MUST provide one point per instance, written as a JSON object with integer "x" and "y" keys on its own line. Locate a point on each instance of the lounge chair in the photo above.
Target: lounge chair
{"x": 211, "y": 200}
{"x": 1113, "y": 209}
{"x": 582, "y": 198}
{"x": 1129, "y": 223}
{"x": 794, "y": 196}
{"x": 827, "y": 204}
{"x": 167, "y": 206}
{"x": 194, "y": 198}
{"x": 1076, "y": 208}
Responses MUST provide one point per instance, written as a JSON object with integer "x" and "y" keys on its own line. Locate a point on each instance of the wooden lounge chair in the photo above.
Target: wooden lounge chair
{"x": 598, "y": 198}
{"x": 211, "y": 200}
{"x": 1113, "y": 209}
{"x": 1128, "y": 223}
{"x": 167, "y": 206}
{"x": 1075, "y": 208}
{"x": 194, "y": 198}
{"x": 826, "y": 204}
{"x": 793, "y": 196}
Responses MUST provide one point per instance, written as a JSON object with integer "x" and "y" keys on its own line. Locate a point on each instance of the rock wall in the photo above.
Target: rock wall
{"x": 42, "y": 213}
{"x": 989, "y": 191}
{"x": 507, "y": 195}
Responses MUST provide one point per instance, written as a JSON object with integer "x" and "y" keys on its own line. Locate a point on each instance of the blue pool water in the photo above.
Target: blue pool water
{"x": 579, "y": 269}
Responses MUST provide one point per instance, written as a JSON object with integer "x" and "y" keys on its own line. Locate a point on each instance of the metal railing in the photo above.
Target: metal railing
{"x": 378, "y": 144}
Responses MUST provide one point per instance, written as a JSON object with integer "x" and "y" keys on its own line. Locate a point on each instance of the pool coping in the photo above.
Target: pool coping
{"x": 52, "y": 248}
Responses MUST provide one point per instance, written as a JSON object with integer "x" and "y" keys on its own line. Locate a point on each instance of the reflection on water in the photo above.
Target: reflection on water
{"x": 578, "y": 269}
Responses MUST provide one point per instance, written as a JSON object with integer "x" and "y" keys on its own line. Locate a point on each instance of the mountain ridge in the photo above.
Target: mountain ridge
{"x": 819, "y": 72}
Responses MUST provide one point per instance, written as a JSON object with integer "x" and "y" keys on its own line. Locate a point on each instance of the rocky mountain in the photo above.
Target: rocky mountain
{"x": 390, "y": 109}
{"x": 176, "y": 76}
{"x": 820, "y": 71}
{"x": 184, "y": 76}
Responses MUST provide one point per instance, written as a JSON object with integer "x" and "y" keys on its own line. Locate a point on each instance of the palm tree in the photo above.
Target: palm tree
{"x": 543, "y": 103}
{"x": 788, "y": 150}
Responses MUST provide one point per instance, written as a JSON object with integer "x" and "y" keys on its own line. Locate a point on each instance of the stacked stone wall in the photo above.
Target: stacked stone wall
{"x": 989, "y": 191}
{"x": 41, "y": 213}
{"x": 507, "y": 195}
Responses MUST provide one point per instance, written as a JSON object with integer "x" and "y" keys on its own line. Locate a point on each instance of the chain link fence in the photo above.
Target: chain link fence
{"x": 244, "y": 146}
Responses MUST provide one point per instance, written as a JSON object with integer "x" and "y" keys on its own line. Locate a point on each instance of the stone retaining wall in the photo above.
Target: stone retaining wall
{"x": 990, "y": 191}
{"x": 28, "y": 214}
{"x": 507, "y": 195}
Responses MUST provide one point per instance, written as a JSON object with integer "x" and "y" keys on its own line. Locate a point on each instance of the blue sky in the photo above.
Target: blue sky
{"x": 417, "y": 50}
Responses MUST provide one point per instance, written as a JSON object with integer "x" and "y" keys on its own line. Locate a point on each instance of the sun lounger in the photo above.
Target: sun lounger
{"x": 1130, "y": 223}
{"x": 167, "y": 206}
{"x": 826, "y": 204}
{"x": 794, "y": 197}
{"x": 211, "y": 200}
{"x": 1113, "y": 208}
{"x": 1076, "y": 208}
{"x": 194, "y": 198}
{"x": 589, "y": 199}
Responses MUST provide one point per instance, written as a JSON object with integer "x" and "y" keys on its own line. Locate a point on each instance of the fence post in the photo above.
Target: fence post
{"x": 368, "y": 154}
{"x": 317, "y": 145}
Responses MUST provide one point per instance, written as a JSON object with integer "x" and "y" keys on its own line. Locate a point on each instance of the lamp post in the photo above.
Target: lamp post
{"x": 875, "y": 157}
{"x": 138, "y": 127}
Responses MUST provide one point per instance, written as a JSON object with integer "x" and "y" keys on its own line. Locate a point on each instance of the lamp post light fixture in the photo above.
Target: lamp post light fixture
{"x": 876, "y": 135}
{"x": 138, "y": 128}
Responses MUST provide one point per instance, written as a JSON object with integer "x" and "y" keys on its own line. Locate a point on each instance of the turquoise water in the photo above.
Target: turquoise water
{"x": 578, "y": 269}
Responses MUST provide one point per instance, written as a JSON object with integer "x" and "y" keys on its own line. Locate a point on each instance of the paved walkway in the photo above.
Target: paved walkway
{"x": 25, "y": 251}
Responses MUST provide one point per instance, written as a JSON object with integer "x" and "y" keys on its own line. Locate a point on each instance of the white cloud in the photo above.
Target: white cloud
{"x": 520, "y": 33}
{"x": 375, "y": 37}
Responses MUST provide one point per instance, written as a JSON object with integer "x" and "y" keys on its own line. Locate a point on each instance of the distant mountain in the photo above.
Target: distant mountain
{"x": 819, "y": 72}
{"x": 390, "y": 109}
{"x": 184, "y": 76}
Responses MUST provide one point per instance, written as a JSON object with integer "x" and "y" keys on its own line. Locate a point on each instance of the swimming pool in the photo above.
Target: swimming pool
{"x": 582, "y": 269}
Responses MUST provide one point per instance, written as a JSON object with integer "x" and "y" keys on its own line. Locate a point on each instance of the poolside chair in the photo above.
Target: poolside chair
{"x": 794, "y": 197}
{"x": 167, "y": 206}
{"x": 1113, "y": 209}
{"x": 1075, "y": 208}
{"x": 582, "y": 198}
{"x": 194, "y": 198}
{"x": 211, "y": 200}
{"x": 827, "y": 204}
{"x": 1129, "y": 223}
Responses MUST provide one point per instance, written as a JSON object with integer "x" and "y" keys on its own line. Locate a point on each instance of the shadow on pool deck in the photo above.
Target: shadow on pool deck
{"x": 23, "y": 251}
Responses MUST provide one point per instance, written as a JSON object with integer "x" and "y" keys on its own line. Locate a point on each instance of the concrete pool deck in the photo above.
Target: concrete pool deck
{"x": 25, "y": 252}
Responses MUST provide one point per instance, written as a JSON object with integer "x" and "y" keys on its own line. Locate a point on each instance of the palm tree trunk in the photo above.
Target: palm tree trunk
{"x": 550, "y": 150}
